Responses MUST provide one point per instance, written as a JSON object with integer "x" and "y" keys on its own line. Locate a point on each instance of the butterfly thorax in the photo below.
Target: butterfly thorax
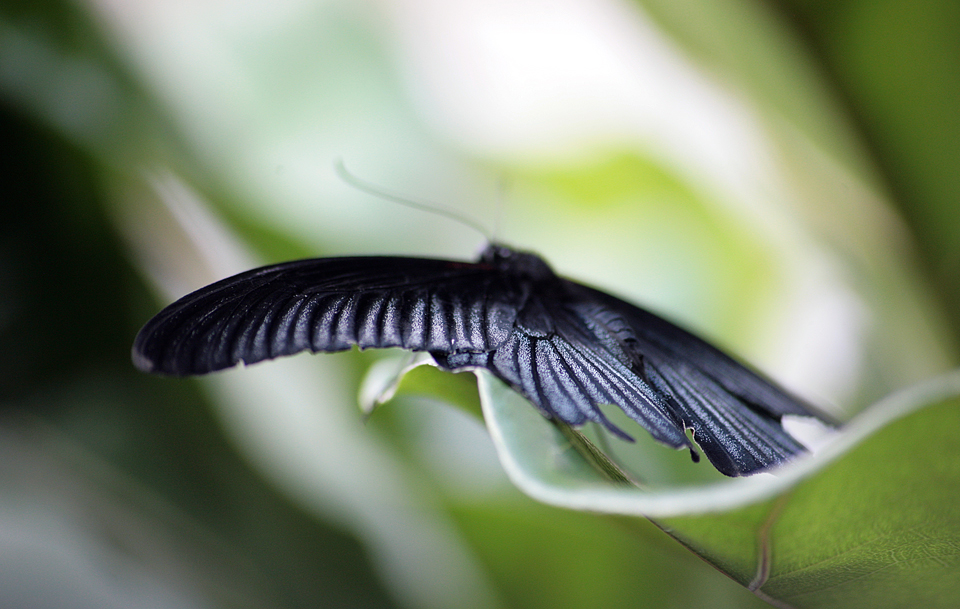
{"x": 519, "y": 264}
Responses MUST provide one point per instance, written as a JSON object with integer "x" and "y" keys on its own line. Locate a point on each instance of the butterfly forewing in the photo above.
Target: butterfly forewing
{"x": 733, "y": 411}
{"x": 330, "y": 305}
{"x": 681, "y": 345}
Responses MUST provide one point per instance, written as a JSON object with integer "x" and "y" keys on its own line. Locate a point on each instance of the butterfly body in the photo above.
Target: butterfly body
{"x": 566, "y": 347}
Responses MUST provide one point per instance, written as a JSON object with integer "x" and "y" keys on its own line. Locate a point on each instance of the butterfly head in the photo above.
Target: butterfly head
{"x": 516, "y": 262}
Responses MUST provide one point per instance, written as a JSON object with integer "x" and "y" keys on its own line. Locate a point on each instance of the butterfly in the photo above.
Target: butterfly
{"x": 566, "y": 347}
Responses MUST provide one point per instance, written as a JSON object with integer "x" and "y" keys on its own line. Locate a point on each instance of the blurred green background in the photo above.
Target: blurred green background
{"x": 780, "y": 175}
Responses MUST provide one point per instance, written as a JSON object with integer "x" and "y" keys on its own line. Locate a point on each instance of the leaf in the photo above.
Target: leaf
{"x": 870, "y": 521}
{"x": 416, "y": 375}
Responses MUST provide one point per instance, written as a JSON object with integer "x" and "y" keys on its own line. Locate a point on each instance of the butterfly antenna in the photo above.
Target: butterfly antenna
{"x": 377, "y": 191}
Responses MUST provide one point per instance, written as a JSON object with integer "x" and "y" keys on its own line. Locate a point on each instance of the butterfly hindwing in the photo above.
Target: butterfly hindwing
{"x": 563, "y": 364}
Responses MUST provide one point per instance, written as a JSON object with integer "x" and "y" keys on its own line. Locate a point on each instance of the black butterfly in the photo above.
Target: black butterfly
{"x": 564, "y": 346}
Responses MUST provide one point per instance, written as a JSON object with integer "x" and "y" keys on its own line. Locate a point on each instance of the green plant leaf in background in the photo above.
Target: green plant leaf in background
{"x": 895, "y": 64}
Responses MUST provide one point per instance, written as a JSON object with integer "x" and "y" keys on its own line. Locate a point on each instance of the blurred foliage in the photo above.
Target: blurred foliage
{"x": 71, "y": 303}
{"x": 93, "y": 445}
{"x": 896, "y": 65}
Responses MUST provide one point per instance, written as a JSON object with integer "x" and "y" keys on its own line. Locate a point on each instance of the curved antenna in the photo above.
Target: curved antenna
{"x": 377, "y": 191}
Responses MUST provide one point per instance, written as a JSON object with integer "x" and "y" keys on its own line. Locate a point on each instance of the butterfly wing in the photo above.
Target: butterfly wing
{"x": 734, "y": 411}
{"x": 679, "y": 345}
{"x": 331, "y": 304}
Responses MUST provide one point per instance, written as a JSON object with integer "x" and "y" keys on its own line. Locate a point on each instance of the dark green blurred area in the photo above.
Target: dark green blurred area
{"x": 71, "y": 306}
{"x": 71, "y": 302}
{"x": 75, "y": 410}
{"x": 897, "y": 66}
